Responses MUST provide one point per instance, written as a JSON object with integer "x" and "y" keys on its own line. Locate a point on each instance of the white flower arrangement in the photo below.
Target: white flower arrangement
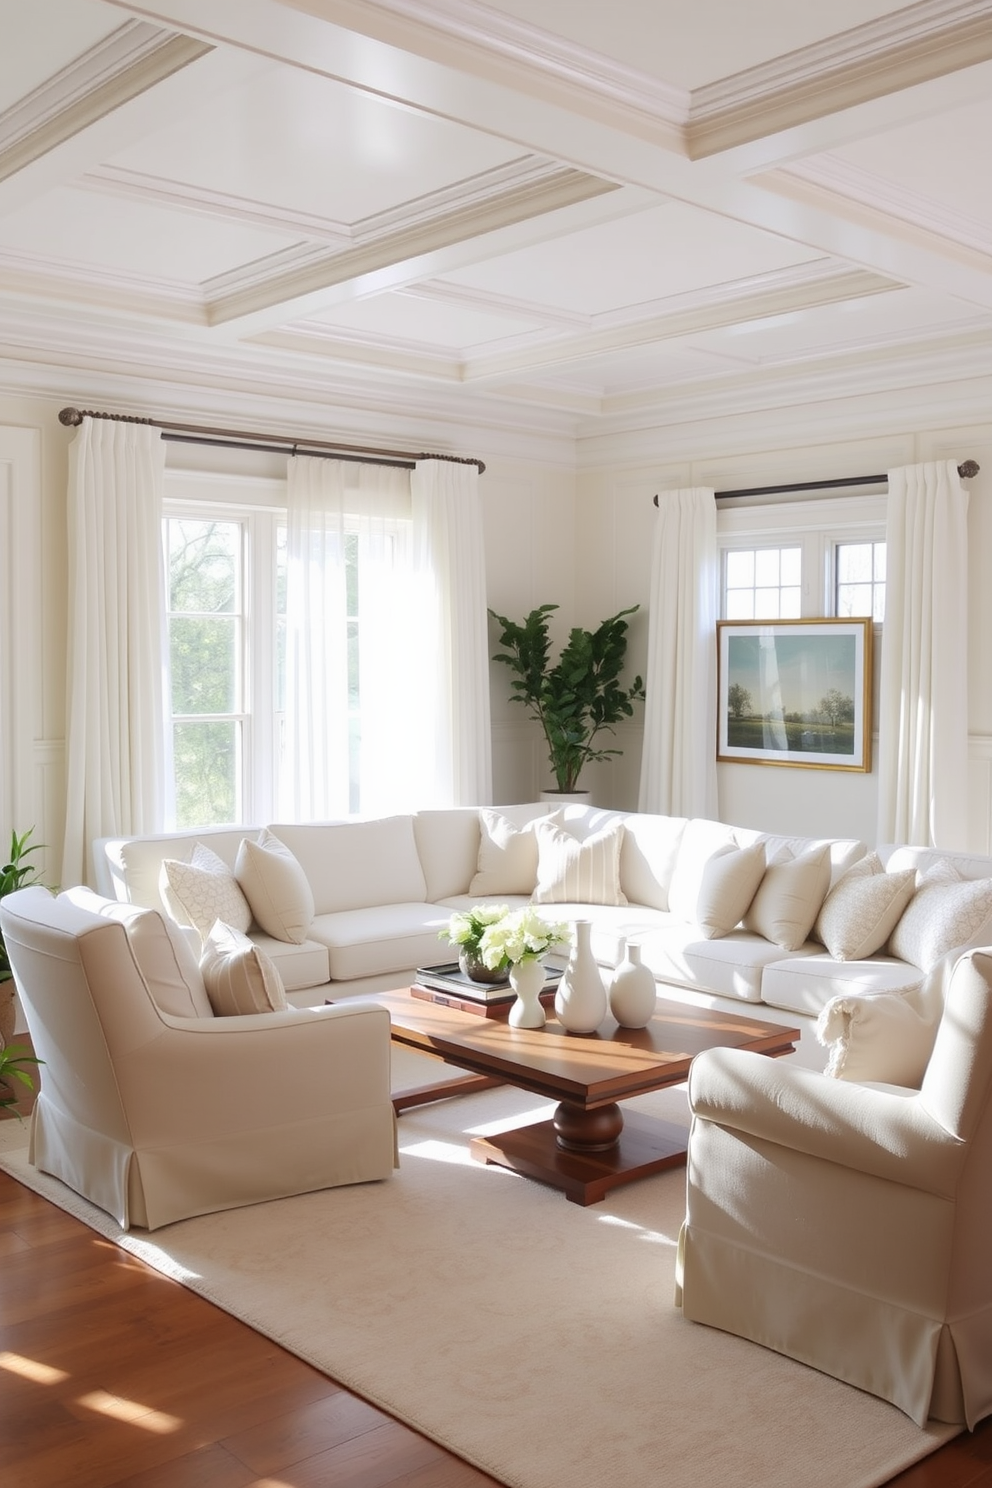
{"x": 502, "y": 938}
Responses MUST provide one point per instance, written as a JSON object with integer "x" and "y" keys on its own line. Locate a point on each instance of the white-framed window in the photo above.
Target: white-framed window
{"x": 809, "y": 559}
{"x": 225, "y": 546}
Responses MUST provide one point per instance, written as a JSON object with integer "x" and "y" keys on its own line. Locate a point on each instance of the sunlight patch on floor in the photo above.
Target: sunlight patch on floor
{"x": 652, "y": 1237}
{"x": 130, "y": 1411}
{"x": 32, "y": 1369}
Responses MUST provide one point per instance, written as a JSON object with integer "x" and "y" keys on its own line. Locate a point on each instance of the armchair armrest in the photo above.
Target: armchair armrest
{"x": 883, "y": 1132}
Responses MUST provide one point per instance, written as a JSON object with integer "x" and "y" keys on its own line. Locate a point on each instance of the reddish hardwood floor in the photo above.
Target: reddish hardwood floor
{"x": 112, "y": 1376}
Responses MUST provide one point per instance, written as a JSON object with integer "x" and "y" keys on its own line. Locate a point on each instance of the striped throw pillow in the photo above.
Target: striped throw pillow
{"x": 574, "y": 871}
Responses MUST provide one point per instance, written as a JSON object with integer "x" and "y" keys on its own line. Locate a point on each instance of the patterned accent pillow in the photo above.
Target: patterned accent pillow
{"x": 507, "y": 862}
{"x": 276, "y": 886}
{"x": 946, "y": 911}
{"x": 789, "y": 897}
{"x": 574, "y": 871}
{"x": 205, "y": 890}
{"x": 238, "y": 975}
{"x": 863, "y": 908}
{"x": 730, "y": 881}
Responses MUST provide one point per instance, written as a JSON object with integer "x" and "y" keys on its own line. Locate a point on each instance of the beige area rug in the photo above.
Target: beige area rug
{"x": 534, "y": 1338}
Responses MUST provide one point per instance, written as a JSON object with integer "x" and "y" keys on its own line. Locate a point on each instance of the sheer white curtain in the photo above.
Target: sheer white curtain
{"x": 360, "y": 660}
{"x": 447, "y": 509}
{"x": 678, "y": 764}
{"x": 923, "y": 696}
{"x": 117, "y": 760}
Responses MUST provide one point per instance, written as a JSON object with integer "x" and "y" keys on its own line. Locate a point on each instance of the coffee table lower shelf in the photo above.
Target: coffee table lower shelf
{"x": 646, "y": 1145}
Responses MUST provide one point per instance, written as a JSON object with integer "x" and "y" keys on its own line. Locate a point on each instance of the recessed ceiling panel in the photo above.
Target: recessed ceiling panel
{"x": 86, "y": 228}
{"x": 40, "y": 37}
{"x": 409, "y": 318}
{"x": 295, "y": 140}
{"x": 670, "y": 250}
{"x": 688, "y": 45}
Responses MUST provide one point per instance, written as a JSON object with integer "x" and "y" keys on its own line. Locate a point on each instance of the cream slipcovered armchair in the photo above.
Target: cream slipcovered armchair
{"x": 155, "y": 1109}
{"x": 850, "y": 1226}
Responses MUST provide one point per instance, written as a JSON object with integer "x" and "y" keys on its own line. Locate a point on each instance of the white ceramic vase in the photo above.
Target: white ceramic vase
{"x": 527, "y": 980}
{"x": 632, "y": 990}
{"x": 580, "y": 1001}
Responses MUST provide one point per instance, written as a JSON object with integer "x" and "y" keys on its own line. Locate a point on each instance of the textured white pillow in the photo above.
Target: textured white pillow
{"x": 730, "y": 881}
{"x": 946, "y": 911}
{"x": 276, "y": 887}
{"x": 238, "y": 975}
{"x": 877, "y": 1037}
{"x": 789, "y": 898}
{"x": 206, "y": 890}
{"x": 570, "y": 871}
{"x": 862, "y": 909}
{"x": 507, "y": 862}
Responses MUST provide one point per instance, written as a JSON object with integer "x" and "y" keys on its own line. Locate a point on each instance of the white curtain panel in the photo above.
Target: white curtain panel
{"x": 447, "y": 508}
{"x": 923, "y": 695}
{"x": 678, "y": 764}
{"x": 350, "y": 749}
{"x": 117, "y": 759}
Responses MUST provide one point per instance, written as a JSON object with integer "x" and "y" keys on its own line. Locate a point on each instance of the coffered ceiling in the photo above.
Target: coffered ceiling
{"x": 553, "y": 208}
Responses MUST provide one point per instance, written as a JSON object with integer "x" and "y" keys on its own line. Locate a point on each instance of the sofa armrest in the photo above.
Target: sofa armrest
{"x": 881, "y": 1132}
{"x": 876, "y": 1037}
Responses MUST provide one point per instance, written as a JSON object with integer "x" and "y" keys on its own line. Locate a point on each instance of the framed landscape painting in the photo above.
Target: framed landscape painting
{"x": 795, "y": 692}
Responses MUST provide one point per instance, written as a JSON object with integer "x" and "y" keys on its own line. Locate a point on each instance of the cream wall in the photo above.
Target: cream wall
{"x": 614, "y": 531}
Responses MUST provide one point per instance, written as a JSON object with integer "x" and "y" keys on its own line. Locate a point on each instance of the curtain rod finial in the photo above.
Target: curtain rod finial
{"x": 968, "y": 469}
{"x": 70, "y": 417}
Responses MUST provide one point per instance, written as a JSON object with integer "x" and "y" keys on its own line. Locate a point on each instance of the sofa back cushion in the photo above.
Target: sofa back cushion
{"x": 449, "y": 842}
{"x": 648, "y": 856}
{"x": 136, "y": 863}
{"x": 356, "y": 864}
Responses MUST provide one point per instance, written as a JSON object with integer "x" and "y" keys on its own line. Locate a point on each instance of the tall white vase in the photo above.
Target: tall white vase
{"x": 580, "y": 1001}
{"x": 632, "y": 990}
{"x": 527, "y": 980}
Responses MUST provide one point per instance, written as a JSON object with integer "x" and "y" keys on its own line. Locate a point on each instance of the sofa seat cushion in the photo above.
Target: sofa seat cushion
{"x": 732, "y": 965}
{"x": 300, "y": 966}
{"x": 382, "y": 938}
{"x": 807, "y": 983}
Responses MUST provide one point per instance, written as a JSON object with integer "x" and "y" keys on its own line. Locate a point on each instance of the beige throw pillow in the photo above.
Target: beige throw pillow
{"x": 789, "y": 898}
{"x": 946, "y": 911}
{"x": 862, "y": 909}
{"x": 570, "y": 871}
{"x": 238, "y": 975}
{"x": 507, "y": 862}
{"x": 204, "y": 890}
{"x": 729, "y": 882}
{"x": 276, "y": 887}
{"x": 877, "y": 1037}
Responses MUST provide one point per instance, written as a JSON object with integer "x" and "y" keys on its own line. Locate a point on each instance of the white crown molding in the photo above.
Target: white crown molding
{"x": 519, "y": 201}
{"x": 498, "y": 47}
{"x": 438, "y": 292}
{"x": 907, "y": 47}
{"x": 116, "y": 293}
{"x": 125, "y": 64}
{"x": 115, "y": 180}
{"x": 728, "y": 306}
{"x": 843, "y": 189}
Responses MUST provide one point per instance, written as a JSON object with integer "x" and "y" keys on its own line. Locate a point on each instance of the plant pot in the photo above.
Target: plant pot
{"x": 8, "y": 1012}
{"x": 477, "y": 971}
{"x": 568, "y": 798}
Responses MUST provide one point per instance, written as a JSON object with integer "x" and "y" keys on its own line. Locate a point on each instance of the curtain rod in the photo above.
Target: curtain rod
{"x": 361, "y": 454}
{"x": 965, "y": 471}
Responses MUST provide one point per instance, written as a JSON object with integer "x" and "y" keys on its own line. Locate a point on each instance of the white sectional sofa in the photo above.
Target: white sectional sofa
{"x": 382, "y": 890}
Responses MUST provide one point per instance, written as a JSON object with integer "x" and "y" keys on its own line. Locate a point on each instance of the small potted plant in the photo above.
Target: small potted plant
{"x": 12, "y": 1061}
{"x": 15, "y": 874}
{"x": 465, "y": 929}
{"x": 508, "y": 945}
{"x": 577, "y": 697}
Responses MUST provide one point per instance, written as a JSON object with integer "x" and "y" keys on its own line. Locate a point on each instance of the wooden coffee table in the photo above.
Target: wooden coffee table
{"x": 591, "y": 1146}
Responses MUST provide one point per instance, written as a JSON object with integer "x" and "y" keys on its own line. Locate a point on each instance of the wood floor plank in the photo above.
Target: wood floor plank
{"x": 112, "y": 1376}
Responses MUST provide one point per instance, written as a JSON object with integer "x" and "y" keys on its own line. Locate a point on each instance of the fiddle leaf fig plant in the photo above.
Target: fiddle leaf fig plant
{"x": 575, "y": 698}
{"x": 15, "y": 874}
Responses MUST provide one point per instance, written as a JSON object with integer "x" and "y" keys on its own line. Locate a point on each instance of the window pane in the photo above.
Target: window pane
{"x": 740, "y": 605}
{"x": 740, "y": 570}
{"x": 860, "y": 584}
{"x": 203, "y": 565}
{"x": 791, "y": 604}
{"x": 203, "y": 653}
{"x": 766, "y": 569}
{"x": 854, "y": 562}
{"x": 792, "y": 567}
{"x": 207, "y": 773}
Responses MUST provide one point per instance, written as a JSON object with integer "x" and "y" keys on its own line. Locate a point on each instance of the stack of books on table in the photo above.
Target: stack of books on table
{"x": 448, "y": 985}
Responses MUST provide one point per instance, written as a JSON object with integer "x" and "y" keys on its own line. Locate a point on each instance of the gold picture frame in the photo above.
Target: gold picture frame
{"x": 795, "y": 693}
